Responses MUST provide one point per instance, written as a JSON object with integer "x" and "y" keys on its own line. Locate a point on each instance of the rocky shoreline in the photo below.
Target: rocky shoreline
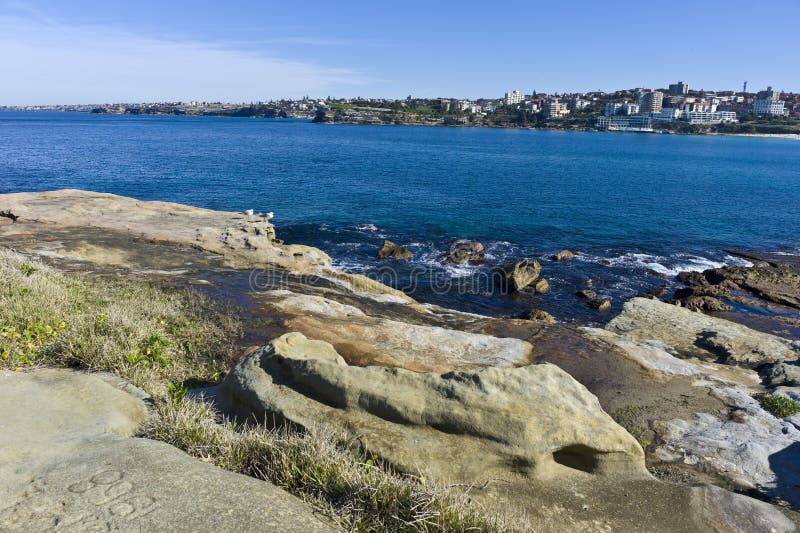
{"x": 577, "y": 428}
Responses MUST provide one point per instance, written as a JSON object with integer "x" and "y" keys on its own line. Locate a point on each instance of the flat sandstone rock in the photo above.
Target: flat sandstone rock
{"x": 68, "y": 463}
{"x": 694, "y": 334}
{"x": 244, "y": 241}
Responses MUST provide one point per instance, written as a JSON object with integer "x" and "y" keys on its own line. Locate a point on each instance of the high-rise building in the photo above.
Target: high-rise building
{"x": 768, "y": 103}
{"x": 651, "y": 102}
{"x": 679, "y": 89}
{"x": 513, "y": 98}
{"x": 554, "y": 108}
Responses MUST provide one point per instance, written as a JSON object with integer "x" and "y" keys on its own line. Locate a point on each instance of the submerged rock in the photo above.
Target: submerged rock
{"x": 564, "y": 255}
{"x": 541, "y": 286}
{"x": 462, "y": 251}
{"x": 599, "y": 304}
{"x": 390, "y": 250}
{"x": 655, "y": 294}
{"x": 586, "y": 294}
{"x": 517, "y": 276}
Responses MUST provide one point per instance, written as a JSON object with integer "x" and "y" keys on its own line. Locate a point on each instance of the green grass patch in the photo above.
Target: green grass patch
{"x": 779, "y": 406}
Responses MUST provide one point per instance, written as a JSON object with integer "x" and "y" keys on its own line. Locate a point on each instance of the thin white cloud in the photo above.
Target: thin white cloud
{"x": 45, "y": 62}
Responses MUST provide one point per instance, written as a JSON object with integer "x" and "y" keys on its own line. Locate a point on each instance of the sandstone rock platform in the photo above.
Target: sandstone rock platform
{"x": 529, "y": 439}
{"x": 68, "y": 463}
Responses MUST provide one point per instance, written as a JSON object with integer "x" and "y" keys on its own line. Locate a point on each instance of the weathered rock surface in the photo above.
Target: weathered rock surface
{"x": 245, "y": 241}
{"x": 693, "y": 334}
{"x": 753, "y": 450}
{"x": 517, "y": 276}
{"x": 739, "y": 443}
{"x": 367, "y": 340}
{"x": 774, "y": 282}
{"x": 541, "y": 286}
{"x": 543, "y": 316}
{"x": 599, "y": 304}
{"x": 585, "y": 294}
{"x": 390, "y": 250}
{"x": 529, "y": 439}
{"x": 68, "y": 463}
{"x": 537, "y": 416}
{"x": 783, "y": 374}
{"x": 564, "y": 255}
{"x": 462, "y": 251}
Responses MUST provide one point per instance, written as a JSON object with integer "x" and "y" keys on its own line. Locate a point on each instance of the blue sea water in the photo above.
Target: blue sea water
{"x": 639, "y": 208}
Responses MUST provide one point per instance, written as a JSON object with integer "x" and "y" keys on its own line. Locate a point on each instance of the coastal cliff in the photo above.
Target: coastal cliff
{"x": 551, "y": 425}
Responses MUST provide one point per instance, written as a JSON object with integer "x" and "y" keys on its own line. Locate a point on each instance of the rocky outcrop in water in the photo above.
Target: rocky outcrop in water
{"x": 564, "y": 255}
{"x": 390, "y": 250}
{"x": 69, "y": 463}
{"x": 462, "y": 252}
{"x": 519, "y": 275}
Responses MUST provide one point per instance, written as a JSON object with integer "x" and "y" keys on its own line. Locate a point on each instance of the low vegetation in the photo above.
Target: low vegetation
{"x": 779, "y": 406}
{"x": 167, "y": 342}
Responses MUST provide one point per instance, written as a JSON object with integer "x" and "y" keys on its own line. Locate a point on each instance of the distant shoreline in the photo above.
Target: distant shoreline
{"x": 790, "y": 136}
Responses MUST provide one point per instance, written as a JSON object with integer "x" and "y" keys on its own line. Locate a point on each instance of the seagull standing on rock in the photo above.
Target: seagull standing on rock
{"x": 269, "y": 215}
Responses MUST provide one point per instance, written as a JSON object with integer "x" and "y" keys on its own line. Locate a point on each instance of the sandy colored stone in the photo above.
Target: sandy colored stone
{"x": 367, "y": 340}
{"x": 68, "y": 464}
{"x": 534, "y": 416}
{"x": 529, "y": 440}
{"x": 245, "y": 241}
{"x": 693, "y": 334}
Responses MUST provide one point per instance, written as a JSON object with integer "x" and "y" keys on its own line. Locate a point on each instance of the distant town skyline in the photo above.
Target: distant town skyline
{"x": 88, "y": 51}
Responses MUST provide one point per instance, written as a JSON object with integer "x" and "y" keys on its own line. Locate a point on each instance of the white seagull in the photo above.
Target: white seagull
{"x": 249, "y": 212}
{"x": 269, "y": 215}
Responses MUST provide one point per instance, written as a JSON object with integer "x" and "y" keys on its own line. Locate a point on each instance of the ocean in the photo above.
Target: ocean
{"x": 637, "y": 208}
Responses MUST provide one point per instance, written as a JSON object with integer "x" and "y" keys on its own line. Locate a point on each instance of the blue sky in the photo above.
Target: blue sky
{"x": 92, "y": 51}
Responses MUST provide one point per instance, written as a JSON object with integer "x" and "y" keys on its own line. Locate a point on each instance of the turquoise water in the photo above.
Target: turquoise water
{"x": 640, "y": 208}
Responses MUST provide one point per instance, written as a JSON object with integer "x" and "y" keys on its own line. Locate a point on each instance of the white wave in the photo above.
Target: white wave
{"x": 737, "y": 261}
{"x": 366, "y": 227}
{"x": 665, "y": 266}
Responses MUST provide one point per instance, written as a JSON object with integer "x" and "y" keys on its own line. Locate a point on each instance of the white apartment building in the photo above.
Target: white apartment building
{"x": 716, "y": 117}
{"x": 651, "y": 102}
{"x": 612, "y": 108}
{"x": 629, "y": 108}
{"x": 554, "y": 108}
{"x": 768, "y": 106}
{"x": 513, "y": 98}
{"x": 667, "y": 114}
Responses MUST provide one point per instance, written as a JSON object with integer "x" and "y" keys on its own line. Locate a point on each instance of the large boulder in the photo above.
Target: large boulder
{"x": 693, "y": 334}
{"x": 69, "y": 463}
{"x": 527, "y": 440}
{"x": 367, "y": 340}
{"x": 519, "y": 275}
{"x": 462, "y": 252}
{"x": 390, "y": 250}
{"x": 536, "y": 417}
